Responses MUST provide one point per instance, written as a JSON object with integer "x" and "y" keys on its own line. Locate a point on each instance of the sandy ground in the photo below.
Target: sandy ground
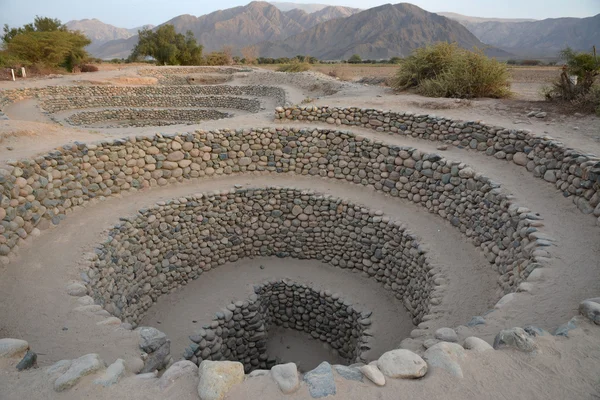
{"x": 35, "y": 280}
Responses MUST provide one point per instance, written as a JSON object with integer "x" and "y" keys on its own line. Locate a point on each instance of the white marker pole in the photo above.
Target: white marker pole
{"x": 23, "y": 74}
{"x": 12, "y": 71}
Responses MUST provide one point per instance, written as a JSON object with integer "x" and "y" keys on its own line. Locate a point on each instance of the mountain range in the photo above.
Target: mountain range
{"x": 335, "y": 32}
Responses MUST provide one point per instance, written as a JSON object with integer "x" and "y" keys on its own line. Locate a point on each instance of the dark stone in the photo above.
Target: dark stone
{"x": 159, "y": 359}
{"x": 320, "y": 381}
{"x": 30, "y": 360}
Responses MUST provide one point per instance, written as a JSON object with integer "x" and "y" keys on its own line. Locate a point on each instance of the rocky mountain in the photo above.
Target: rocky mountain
{"x": 465, "y": 19}
{"x": 238, "y": 27}
{"x": 101, "y": 33}
{"x": 531, "y": 38}
{"x": 308, "y": 8}
{"x": 376, "y": 33}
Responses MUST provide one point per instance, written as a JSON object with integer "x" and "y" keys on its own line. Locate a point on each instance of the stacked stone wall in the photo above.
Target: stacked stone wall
{"x": 240, "y": 331}
{"x": 145, "y": 117}
{"x": 78, "y": 102}
{"x": 573, "y": 172}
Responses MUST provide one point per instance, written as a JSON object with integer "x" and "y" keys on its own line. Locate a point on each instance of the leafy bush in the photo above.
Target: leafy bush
{"x": 583, "y": 92}
{"x": 446, "y": 70}
{"x": 88, "y": 68}
{"x": 46, "y": 43}
{"x": 295, "y": 66}
{"x": 217, "y": 58}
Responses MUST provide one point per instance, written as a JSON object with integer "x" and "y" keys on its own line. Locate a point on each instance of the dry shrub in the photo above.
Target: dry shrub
{"x": 88, "y": 68}
{"x": 295, "y": 66}
{"x": 446, "y": 70}
{"x": 340, "y": 73}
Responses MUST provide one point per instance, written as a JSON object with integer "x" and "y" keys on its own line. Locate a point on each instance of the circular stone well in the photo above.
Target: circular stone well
{"x": 166, "y": 246}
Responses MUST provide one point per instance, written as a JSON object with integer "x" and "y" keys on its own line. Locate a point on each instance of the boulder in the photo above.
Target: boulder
{"x": 373, "y": 374}
{"x": 477, "y": 345}
{"x": 79, "y": 368}
{"x": 176, "y": 371}
{"x": 113, "y": 373}
{"x": 320, "y": 381}
{"x": 10, "y": 348}
{"x": 217, "y": 377}
{"x": 402, "y": 364}
{"x": 446, "y": 355}
{"x": 158, "y": 359}
{"x": 349, "y": 373}
{"x": 590, "y": 310}
{"x": 286, "y": 376}
{"x": 516, "y": 338}
{"x": 151, "y": 339}
{"x": 446, "y": 335}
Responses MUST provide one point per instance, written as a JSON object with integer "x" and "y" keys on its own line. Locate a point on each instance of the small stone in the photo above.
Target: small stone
{"x": 286, "y": 376}
{"x": 446, "y": 335}
{"x": 76, "y": 289}
{"x": 10, "y": 348}
{"x": 505, "y": 300}
{"x": 113, "y": 373}
{"x": 430, "y": 342}
{"x": 373, "y": 374}
{"x": 176, "y": 371}
{"x": 564, "y": 329}
{"x": 477, "y": 320}
{"x": 401, "y": 363}
{"x": 349, "y": 373}
{"x": 590, "y": 310}
{"x": 79, "y": 368}
{"x": 58, "y": 368}
{"x": 151, "y": 339}
{"x": 30, "y": 360}
{"x": 477, "y": 345}
{"x": 218, "y": 377}
{"x": 446, "y": 355}
{"x": 320, "y": 381}
{"x": 520, "y": 158}
{"x": 514, "y": 337}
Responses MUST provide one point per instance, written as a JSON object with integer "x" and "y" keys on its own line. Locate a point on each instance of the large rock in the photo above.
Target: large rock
{"x": 10, "y": 348}
{"x": 590, "y": 310}
{"x": 349, "y": 373}
{"x": 177, "y": 371}
{"x": 402, "y": 363}
{"x": 373, "y": 374}
{"x": 446, "y": 335}
{"x": 477, "y": 345}
{"x": 446, "y": 355}
{"x": 151, "y": 339}
{"x": 320, "y": 381}
{"x": 516, "y": 338}
{"x": 217, "y": 377}
{"x": 286, "y": 376}
{"x": 159, "y": 359}
{"x": 79, "y": 368}
{"x": 113, "y": 373}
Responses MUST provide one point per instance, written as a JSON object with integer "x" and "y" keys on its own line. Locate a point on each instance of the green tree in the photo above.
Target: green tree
{"x": 168, "y": 47}
{"x": 45, "y": 42}
{"x": 355, "y": 59}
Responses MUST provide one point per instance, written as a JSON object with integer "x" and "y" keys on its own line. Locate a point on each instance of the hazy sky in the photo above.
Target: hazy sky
{"x": 133, "y": 13}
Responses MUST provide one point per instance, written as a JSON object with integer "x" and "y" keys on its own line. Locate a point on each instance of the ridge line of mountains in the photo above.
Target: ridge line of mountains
{"x": 335, "y": 32}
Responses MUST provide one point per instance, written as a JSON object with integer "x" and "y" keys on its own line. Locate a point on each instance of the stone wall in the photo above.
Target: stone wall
{"x": 66, "y": 92}
{"x": 161, "y": 71}
{"x": 573, "y": 172}
{"x": 41, "y": 191}
{"x": 145, "y": 117}
{"x": 166, "y": 246}
{"x": 77, "y": 102}
{"x": 240, "y": 331}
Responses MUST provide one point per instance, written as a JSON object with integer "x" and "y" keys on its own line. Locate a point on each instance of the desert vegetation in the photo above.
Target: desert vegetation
{"x": 44, "y": 44}
{"x": 578, "y": 83}
{"x": 447, "y": 70}
{"x": 168, "y": 47}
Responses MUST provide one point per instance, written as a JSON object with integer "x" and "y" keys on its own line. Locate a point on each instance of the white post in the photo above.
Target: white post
{"x": 23, "y": 74}
{"x": 12, "y": 71}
